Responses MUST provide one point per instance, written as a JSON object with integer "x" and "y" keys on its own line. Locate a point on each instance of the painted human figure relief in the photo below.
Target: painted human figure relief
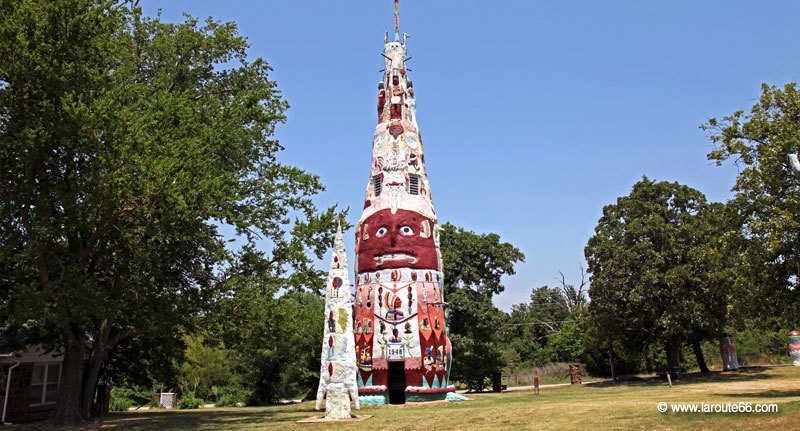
{"x": 337, "y": 380}
{"x": 399, "y": 267}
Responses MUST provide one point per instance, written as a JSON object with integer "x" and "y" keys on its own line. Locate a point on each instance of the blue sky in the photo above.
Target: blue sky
{"x": 534, "y": 114}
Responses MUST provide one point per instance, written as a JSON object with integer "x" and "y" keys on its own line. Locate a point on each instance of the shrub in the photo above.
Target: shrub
{"x": 761, "y": 346}
{"x": 230, "y": 395}
{"x": 123, "y": 398}
{"x": 189, "y": 401}
{"x": 120, "y": 400}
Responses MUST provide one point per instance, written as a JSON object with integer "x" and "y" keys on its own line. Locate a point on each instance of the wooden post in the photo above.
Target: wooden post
{"x": 536, "y": 385}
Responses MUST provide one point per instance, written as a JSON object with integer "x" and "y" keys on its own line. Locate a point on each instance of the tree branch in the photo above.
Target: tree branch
{"x": 113, "y": 341}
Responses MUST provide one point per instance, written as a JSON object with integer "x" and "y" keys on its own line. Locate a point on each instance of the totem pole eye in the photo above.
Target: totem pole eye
{"x": 406, "y": 231}
{"x": 381, "y": 232}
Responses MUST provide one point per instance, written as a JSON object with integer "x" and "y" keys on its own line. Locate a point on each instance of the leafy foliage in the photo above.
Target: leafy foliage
{"x": 149, "y": 360}
{"x": 189, "y": 401}
{"x": 653, "y": 276}
{"x": 273, "y": 340}
{"x": 123, "y": 398}
{"x": 204, "y": 368}
{"x": 531, "y": 324}
{"x": 474, "y": 265}
{"x": 766, "y": 205}
{"x": 474, "y": 322}
{"x": 567, "y": 343}
{"x": 476, "y": 261}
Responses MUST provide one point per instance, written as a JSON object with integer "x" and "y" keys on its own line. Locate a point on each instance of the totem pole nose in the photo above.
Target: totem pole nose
{"x": 393, "y": 238}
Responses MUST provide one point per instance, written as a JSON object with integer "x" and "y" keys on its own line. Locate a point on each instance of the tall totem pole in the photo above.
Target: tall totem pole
{"x": 402, "y": 349}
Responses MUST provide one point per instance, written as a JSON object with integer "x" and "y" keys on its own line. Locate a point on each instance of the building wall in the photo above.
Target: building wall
{"x": 18, "y": 402}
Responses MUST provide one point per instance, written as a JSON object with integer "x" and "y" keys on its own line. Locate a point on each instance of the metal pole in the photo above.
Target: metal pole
{"x": 397, "y": 20}
{"x": 8, "y": 387}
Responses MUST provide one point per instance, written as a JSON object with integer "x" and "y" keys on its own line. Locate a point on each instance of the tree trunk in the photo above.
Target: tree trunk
{"x": 674, "y": 356}
{"x": 92, "y": 370}
{"x": 698, "y": 353}
{"x": 497, "y": 382}
{"x": 611, "y": 361}
{"x": 68, "y": 405}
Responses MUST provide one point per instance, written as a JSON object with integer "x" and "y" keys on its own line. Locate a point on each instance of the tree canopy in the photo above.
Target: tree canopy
{"x": 766, "y": 203}
{"x": 651, "y": 278}
{"x": 476, "y": 261}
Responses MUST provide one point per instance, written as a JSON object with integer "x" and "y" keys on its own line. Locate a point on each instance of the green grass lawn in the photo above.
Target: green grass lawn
{"x": 595, "y": 406}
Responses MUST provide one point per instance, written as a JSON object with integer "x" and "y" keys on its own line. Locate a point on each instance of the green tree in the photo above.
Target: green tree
{"x": 204, "y": 368}
{"x": 536, "y": 330}
{"x": 476, "y": 261}
{"x": 567, "y": 343}
{"x": 474, "y": 265}
{"x": 473, "y": 327}
{"x": 148, "y": 360}
{"x": 652, "y": 280}
{"x": 766, "y": 205}
{"x": 531, "y": 324}
{"x": 125, "y": 142}
{"x": 273, "y": 339}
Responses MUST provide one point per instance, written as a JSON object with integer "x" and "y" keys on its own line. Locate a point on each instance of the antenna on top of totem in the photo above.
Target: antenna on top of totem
{"x": 397, "y": 20}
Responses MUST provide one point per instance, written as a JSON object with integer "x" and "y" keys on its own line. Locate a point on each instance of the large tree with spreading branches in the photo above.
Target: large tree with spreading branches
{"x": 125, "y": 143}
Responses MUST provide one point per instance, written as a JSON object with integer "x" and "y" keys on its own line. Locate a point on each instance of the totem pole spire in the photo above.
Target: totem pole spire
{"x": 397, "y": 20}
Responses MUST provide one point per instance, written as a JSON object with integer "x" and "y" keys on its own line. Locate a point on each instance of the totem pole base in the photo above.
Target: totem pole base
{"x": 321, "y": 419}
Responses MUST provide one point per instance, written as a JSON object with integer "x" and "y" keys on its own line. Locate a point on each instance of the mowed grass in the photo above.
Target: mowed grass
{"x": 599, "y": 406}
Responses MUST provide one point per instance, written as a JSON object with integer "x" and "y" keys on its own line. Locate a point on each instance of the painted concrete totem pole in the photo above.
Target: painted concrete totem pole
{"x": 727, "y": 349}
{"x": 337, "y": 380}
{"x": 794, "y": 347}
{"x": 403, "y": 350}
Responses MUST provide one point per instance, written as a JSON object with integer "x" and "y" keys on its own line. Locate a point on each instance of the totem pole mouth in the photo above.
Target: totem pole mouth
{"x": 380, "y": 260}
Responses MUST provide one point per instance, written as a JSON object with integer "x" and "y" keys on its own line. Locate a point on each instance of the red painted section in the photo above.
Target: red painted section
{"x": 390, "y": 241}
{"x": 434, "y": 343}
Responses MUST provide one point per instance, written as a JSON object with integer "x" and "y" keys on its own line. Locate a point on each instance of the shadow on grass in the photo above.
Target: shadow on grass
{"x": 183, "y": 420}
{"x": 211, "y": 419}
{"x": 774, "y": 393}
{"x": 742, "y": 375}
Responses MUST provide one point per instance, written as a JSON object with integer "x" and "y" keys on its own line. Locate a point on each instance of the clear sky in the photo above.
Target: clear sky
{"x": 534, "y": 114}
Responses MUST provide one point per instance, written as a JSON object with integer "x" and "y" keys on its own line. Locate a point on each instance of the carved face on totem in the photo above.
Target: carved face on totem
{"x": 400, "y": 240}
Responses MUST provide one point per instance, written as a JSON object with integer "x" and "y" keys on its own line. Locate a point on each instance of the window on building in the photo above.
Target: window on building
{"x": 44, "y": 384}
{"x": 377, "y": 184}
{"x": 413, "y": 184}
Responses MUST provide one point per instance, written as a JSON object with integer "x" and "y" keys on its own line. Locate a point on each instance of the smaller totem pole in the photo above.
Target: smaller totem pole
{"x": 337, "y": 379}
{"x": 794, "y": 347}
{"x": 727, "y": 349}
